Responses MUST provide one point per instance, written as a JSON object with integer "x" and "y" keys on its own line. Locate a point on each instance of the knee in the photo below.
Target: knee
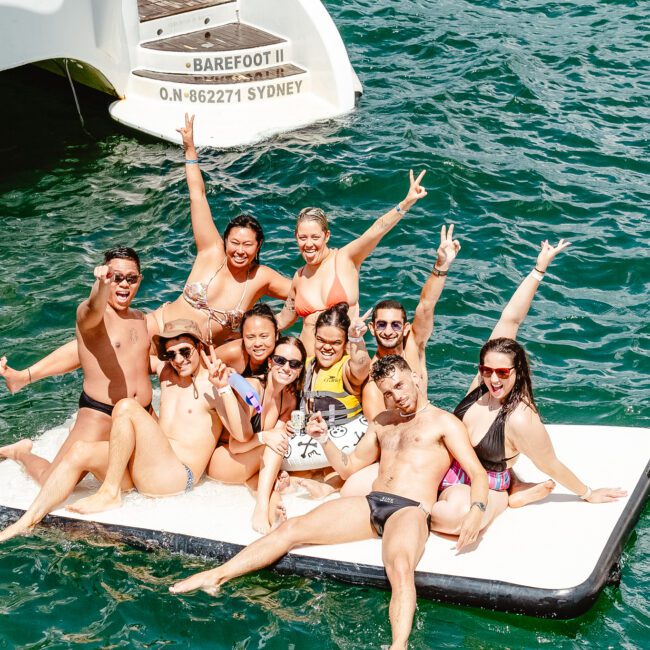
{"x": 79, "y": 453}
{"x": 125, "y": 407}
{"x": 290, "y": 531}
{"x": 400, "y": 570}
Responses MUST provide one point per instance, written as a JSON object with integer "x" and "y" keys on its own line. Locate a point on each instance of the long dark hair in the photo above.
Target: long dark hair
{"x": 247, "y": 221}
{"x": 336, "y": 316}
{"x": 297, "y": 385}
{"x": 522, "y": 391}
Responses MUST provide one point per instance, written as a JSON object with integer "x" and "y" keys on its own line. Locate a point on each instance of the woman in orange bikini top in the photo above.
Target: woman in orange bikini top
{"x": 330, "y": 276}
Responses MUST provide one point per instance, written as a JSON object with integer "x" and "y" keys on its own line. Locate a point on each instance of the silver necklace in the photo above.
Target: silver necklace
{"x": 408, "y": 415}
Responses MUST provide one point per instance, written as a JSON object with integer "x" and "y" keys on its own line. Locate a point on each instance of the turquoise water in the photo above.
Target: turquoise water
{"x": 532, "y": 121}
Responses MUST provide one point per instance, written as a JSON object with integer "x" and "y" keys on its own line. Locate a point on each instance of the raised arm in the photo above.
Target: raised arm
{"x": 59, "y": 362}
{"x": 358, "y": 249}
{"x": 531, "y": 438}
{"x": 517, "y": 308}
{"x": 90, "y": 313}
{"x": 364, "y": 454}
{"x": 357, "y": 368}
{"x": 278, "y": 285}
{"x": 206, "y": 235}
{"x": 423, "y": 322}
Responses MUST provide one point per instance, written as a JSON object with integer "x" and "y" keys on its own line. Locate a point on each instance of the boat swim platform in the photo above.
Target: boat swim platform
{"x": 548, "y": 559}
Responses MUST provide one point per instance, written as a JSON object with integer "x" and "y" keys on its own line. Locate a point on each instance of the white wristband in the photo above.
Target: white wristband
{"x": 355, "y": 339}
{"x": 323, "y": 439}
{"x": 537, "y": 275}
{"x": 260, "y": 436}
{"x": 224, "y": 390}
{"x": 586, "y": 495}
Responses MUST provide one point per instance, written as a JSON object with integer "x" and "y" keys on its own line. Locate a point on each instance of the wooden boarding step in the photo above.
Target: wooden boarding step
{"x": 232, "y": 36}
{"x": 278, "y": 72}
{"x": 153, "y": 9}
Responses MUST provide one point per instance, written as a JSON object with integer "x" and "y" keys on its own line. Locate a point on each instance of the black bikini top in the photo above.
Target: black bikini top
{"x": 491, "y": 449}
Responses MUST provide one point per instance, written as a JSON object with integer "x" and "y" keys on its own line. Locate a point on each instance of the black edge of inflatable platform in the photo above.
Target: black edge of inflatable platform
{"x": 474, "y": 592}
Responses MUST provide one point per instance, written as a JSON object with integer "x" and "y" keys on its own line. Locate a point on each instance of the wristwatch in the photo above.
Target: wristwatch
{"x": 479, "y": 504}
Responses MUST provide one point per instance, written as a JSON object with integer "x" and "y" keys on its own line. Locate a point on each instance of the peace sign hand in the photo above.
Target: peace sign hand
{"x": 416, "y": 191}
{"x": 358, "y": 327}
{"x": 448, "y": 248}
{"x": 548, "y": 252}
{"x": 187, "y": 132}
{"x": 218, "y": 371}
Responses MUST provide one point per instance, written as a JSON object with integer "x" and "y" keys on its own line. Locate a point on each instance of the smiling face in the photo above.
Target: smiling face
{"x": 312, "y": 241}
{"x": 122, "y": 293}
{"x": 499, "y": 387}
{"x": 283, "y": 357}
{"x": 177, "y": 350}
{"x": 400, "y": 390}
{"x": 259, "y": 338}
{"x": 389, "y": 328}
{"x": 241, "y": 247}
{"x": 330, "y": 345}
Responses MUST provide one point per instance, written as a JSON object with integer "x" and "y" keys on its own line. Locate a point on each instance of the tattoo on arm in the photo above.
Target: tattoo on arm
{"x": 290, "y": 304}
{"x": 344, "y": 458}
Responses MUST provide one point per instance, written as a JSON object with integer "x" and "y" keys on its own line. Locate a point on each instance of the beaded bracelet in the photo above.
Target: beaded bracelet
{"x": 195, "y": 161}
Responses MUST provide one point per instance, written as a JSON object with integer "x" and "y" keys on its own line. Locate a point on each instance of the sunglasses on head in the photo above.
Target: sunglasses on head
{"x": 186, "y": 353}
{"x": 131, "y": 278}
{"x": 395, "y": 325}
{"x": 501, "y": 373}
{"x": 294, "y": 364}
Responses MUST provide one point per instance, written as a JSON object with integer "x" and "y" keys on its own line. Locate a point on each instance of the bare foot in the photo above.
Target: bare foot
{"x": 260, "y": 520}
{"x": 316, "y": 489}
{"x": 206, "y": 581}
{"x": 16, "y": 379}
{"x": 530, "y": 492}
{"x": 17, "y": 450}
{"x": 280, "y": 514}
{"x": 19, "y": 528}
{"x": 97, "y": 502}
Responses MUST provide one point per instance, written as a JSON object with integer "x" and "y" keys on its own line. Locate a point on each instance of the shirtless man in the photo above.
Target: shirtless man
{"x": 395, "y": 335}
{"x": 113, "y": 348}
{"x": 417, "y": 442}
{"x": 163, "y": 457}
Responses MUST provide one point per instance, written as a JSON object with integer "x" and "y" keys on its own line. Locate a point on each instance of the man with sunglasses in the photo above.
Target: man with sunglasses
{"x": 113, "y": 344}
{"x": 159, "y": 457}
{"x": 395, "y": 335}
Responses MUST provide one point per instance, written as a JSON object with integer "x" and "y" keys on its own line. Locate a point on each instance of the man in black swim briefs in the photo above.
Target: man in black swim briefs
{"x": 416, "y": 441}
{"x": 113, "y": 344}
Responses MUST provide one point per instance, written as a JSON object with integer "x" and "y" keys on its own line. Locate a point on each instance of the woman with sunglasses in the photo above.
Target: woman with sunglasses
{"x": 239, "y": 460}
{"x": 503, "y": 422}
{"x": 331, "y": 276}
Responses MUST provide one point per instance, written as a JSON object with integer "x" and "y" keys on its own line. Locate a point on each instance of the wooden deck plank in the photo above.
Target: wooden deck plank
{"x": 152, "y": 9}
{"x": 232, "y": 36}
{"x": 277, "y": 72}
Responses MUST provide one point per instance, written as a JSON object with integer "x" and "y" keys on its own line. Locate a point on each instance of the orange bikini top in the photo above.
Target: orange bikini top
{"x": 336, "y": 294}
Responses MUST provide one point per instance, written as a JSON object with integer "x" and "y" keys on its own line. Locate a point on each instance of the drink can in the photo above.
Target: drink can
{"x": 298, "y": 421}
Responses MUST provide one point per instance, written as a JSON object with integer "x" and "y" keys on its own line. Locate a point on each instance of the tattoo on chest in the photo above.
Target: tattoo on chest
{"x": 133, "y": 335}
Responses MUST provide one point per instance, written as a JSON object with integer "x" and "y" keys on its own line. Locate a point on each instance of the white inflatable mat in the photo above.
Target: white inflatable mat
{"x": 551, "y": 558}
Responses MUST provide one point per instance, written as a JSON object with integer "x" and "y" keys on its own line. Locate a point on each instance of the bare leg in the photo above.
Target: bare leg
{"x": 234, "y": 468}
{"x": 15, "y": 379}
{"x": 81, "y": 457}
{"x": 316, "y": 489}
{"x": 405, "y": 535}
{"x": 155, "y": 468}
{"x": 360, "y": 483}
{"x": 454, "y": 503}
{"x": 343, "y": 520}
{"x": 269, "y": 468}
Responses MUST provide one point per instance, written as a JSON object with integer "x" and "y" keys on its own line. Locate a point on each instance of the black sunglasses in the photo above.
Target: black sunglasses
{"x": 294, "y": 364}
{"x": 186, "y": 353}
{"x": 131, "y": 278}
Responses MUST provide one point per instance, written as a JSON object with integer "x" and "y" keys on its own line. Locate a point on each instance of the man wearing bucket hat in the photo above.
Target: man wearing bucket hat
{"x": 158, "y": 457}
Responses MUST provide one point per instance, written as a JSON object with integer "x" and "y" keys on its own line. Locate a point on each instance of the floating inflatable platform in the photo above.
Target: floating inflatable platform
{"x": 550, "y": 559}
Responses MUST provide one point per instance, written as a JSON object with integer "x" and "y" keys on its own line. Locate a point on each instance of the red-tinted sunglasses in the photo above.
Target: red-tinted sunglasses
{"x": 501, "y": 373}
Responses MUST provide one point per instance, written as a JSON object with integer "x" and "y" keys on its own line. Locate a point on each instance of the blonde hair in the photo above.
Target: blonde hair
{"x": 312, "y": 214}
